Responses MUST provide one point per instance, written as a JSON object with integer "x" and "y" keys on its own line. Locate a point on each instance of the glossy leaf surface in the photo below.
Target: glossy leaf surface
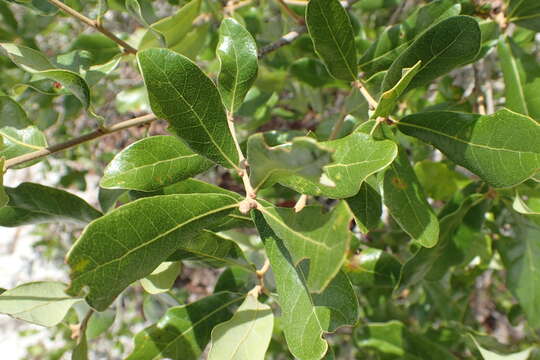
{"x": 237, "y": 53}
{"x": 501, "y": 148}
{"x": 333, "y": 38}
{"x": 183, "y": 95}
{"x": 152, "y": 163}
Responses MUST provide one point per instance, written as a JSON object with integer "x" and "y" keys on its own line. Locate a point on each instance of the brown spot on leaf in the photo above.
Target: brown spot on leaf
{"x": 400, "y": 184}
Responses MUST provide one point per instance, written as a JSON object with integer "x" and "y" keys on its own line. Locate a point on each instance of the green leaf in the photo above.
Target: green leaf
{"x": 246, "y": 335}
{"x": 183, "y": 95}
{"x": 43, "y": 303}
{"x": 395, "y": 39}
{"x": 373, "y": 268}
{"x": 17, "y": 142}
{"x": 439, "y": 181}
{"x": 525, "y": 13}
{"x": 184, "y": 331}
{"x": 523, "y": 208}
{"x": 490, "y": 355}
{"x": 80, "y": 352}
{"x": 162, "y": 278}
{"x": 355, "y": 157}
{"x": 386, "y": 337}
{"x": 31, "y": 203}
{"x": 389, "y": 98}
{"x": 12, "y": 114}
{"x": 141, "y": 235}
{"x": 143, "y": 12}
{"x": 366, "y": 207}
{"x": 237, "y": 53}
{"x": 152, "y": 163}
{"x": 331, "y": 30}
{"x": 420, "y": 265}
{"x": 311, "y": 234}
{"x": 211, "y": 249}
{"x": 501, "y": 148}
{"x": 173, "y": 29}
{"x": 3, "y": 196}
{"x": 101, "y": 47}
{"x": 521, "y": 78}
{"x": 35, "y": 62}
{"x": 521, "y": 256}
{"x": 310, "y": 71}
{"x": 301, "y": 158}
{"x": 404, "y": 196}
{"x": 305, "y": 316}
{"x": 452, "y": 42}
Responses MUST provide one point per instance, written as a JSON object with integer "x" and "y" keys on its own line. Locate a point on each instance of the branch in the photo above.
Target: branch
{"x": 79, "y": 140}
{"x": 299, "y": 20}
{"x": 94, "y": 24}
{"x": 282, "y": 41}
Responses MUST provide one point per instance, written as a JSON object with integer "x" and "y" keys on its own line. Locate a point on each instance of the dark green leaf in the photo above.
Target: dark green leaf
{"x": 301, "y": 158}
{"x": 525, "y": 13}
{"x": 405, "y": 198}
{"x": 246, "y": 335}
{"x": 31, "y": 203}
{"x": 366, "y": 207}
{"x": 373, "y": 268}
{"x": 184, "y": 331}
{"x": 305, "y": 316}
{"x": 12, "y": 114}
{"x": 3, "y": 196}
{"x": 141, "y": 235}
{"x": 311, "y": 71}
{"x": 445, "y": 46}
{"x": 183, "y": 95}
{"x": 333, "y": 37}
{"x": 386, "y": 337}
{"x": 501, "y": 148}
{"x": 521, "y": 78}
{"x": 310, "y": 234}
{"x": 237, "y": 53}
{"x": 152, "y": 163}
{"x": 43, "y": 303}
{"x": 521, "y": 256}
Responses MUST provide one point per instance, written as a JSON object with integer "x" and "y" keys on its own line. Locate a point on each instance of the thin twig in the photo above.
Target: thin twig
{"x": 299, "y": 20}
{"x": 282, "y": 41}
{"x": 365, "y": 93}
{"x": 79, "y": 140}
{"x": 94, "y": 24}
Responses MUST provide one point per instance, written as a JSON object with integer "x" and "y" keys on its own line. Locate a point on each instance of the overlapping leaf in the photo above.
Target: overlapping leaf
{"x": 366, "y": 207}
{"x": 152, "y": 163}
{"x": 31, "y": 203}
{"x": 246, "y": 335}
{"x": 355, "y": 157}
{"x": 183, "y": 95}
{"x": 162, "y": 278}
{"x": 404, "y": 196}
{"x": 333, "y": 37}
{"x": 501, "y": 148}
{"x": 452, "y": 42}
{"x": 128, "y": 243}
{"x": 521, "y": 78}
{"x": 301, "y": 158}
{"x": 321, "y": 238}
{"x": 184, "y": 331}
{"x": 43, "y": 303}
{"x": 305, "y": 316}
{"x": 525, "y": 13}
{"x": 237, "y": 53}
{"x": 373, "y": 268}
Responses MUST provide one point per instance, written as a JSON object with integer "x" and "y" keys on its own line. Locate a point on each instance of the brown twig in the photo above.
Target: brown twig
{"x": 94, "y": 24}
{"x": 79, "y": 140}
{"x": 297, "y": 18}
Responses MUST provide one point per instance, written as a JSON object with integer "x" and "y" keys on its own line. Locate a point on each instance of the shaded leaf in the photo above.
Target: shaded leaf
{"x": 521, "y": 256}
{"x": 184, "y": 331}
{"x": 3, "y": 196}
{"x": 404, "y": 196}
{"x": 303, "y": 157}
{"x": 183, "y": 95}
{"x": 162, "y": 278}
{"x": 212, "y": 249}
{"x": 500, "y": 148}
{"x": 355, "y": 157}
{"x": 141, "y": 235}
{"x": 366, "y": 207}
{"x": 246, "y": 335}
{"x": 311, "y": 234}
{"x": 12, "y": 114}
{"x": 310, "y": 71}
{"x": 237, "y": 53}
{"x": 373, "y": 268}
{"x": 305, "y": 316}
{"x": 521, "y": 78}
{"x": 386, "y": 337}
{"x": 333, "y": 37}
{"x": 525, "y": 13}
{"x": 452, "y": 42}
{"x": 43, "y": 303}
{"x": 31, "y": 203}
{"x": 152, "y": 163}
{"x": 490, "y": 355}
